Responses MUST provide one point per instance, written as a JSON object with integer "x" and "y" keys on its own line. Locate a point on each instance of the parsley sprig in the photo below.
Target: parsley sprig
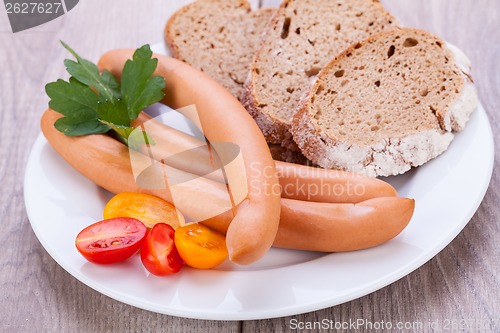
{"x": 95, "y": 102}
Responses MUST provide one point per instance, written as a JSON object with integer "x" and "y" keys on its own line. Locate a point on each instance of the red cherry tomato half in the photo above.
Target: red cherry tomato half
{"x": 158, "y": 253}
{"x": 112, "y": 240}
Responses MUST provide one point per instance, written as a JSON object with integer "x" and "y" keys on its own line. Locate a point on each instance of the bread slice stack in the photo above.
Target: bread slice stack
{"x": 218, "y": 37}
{"x": 305, "y": 35}
{"x": 386, "y": 104}
{"x": 389, "y": 100}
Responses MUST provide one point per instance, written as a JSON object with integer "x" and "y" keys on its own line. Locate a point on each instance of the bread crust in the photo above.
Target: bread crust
{"x": 385, "y": 158}
{"x": 190, "y": 32}
{"x": 391, "y": 155}
{"x": 276, "y": 130}
{"x": 168, "y": 31}
{"x": 461, "y": 110}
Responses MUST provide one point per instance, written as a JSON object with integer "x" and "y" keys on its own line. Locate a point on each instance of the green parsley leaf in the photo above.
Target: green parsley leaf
{"x": 78, "y": 103}
{"x": 94, "y": 102}
{"x": 72, "y": 126}
{"x": 138, "y": 137}
{"x": 111, "y": 81}
{"x": 122, "y": 131}
{"x": 113, "y": 112}
{"x": 138, "y": 88}
{"x": 72, "y": 98}
{"x": 132, "y": 137}
{"x": 88, "y": 73}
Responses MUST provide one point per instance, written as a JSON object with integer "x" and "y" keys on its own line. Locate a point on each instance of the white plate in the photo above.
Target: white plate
{"x": 448, "y": 190}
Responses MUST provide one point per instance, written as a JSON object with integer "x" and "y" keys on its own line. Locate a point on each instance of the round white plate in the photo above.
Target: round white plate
{"x": 448, "y": 190}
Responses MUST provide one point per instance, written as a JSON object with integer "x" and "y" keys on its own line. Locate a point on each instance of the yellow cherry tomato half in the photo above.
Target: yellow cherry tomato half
{"x": 199, "y": 246}
{"x": 146, "y": 208}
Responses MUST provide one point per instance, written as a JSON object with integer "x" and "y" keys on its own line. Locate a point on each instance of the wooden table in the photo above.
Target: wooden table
{"x": 37, "y": 295}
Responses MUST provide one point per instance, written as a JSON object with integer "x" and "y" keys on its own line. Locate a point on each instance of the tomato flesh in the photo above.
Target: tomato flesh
{"x": 200, "y": 247}
{"x": 112, "y": 240}
{"x": 158, "y": 253}
{"x": 144, "y": 207}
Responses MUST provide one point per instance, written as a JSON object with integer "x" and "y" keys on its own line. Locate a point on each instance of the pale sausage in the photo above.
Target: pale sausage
{"x": 303, "y": 225}
{"x": 298, "y": 182}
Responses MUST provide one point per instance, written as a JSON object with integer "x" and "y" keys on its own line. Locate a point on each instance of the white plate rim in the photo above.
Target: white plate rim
{"x": 31, "y": 192}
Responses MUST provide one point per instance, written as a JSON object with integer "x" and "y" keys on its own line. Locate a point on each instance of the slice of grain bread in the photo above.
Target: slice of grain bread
{"x": 386, "y": 104}
{"x": 218, "y": 37}
{"x": 305, "y": 35}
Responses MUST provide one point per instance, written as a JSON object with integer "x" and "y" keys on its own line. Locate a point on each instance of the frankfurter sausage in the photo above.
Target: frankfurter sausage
{"x": 329, "y": 227}
{"x": 297, "y": 182}
{"x": 106, "y": 162}
{"x": 169, "y": 141}
{"x": 254, "y": 226}
{"x": 303, "y": 225}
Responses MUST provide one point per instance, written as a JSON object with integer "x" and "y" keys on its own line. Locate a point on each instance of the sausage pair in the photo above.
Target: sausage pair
{"x": 264, "y": 217}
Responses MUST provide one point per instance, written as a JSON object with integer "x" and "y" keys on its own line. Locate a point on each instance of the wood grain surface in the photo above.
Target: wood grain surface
{"x": 36, "y": 295}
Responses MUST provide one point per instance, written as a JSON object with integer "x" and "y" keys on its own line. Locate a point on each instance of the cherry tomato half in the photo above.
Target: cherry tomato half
{"x": 146, "y": 208}
{"x": 200, "y": 247}
{"x": 158, "y": 253}
{"x": 111, "y": 240}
